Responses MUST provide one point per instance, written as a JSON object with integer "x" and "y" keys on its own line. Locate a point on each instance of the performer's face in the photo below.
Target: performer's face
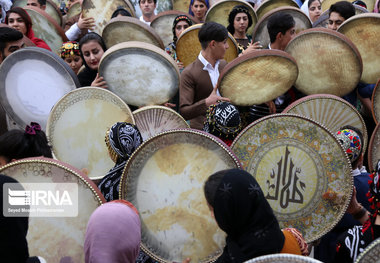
{"x": 219, "y": 48}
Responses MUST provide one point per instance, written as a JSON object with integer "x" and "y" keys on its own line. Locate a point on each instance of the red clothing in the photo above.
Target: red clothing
{"x": 37, "y": 41}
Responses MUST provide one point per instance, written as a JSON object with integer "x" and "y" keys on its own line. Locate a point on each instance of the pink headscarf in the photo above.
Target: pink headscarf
{"x": 113, "y": 234}
{"x": 376, "y": 10}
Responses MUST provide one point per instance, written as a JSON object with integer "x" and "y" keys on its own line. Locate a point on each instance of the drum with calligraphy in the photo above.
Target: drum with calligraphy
{"x": 302, "y": 169}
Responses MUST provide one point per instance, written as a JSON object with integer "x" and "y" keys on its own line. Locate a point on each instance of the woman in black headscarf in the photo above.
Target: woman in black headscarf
{"x": 241, "y": 210}
{"x": 122, "y": 140}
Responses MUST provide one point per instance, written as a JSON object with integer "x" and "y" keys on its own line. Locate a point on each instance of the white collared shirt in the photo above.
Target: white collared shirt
{"x": 213, "y": 72}
{"x": 356, "y": 172}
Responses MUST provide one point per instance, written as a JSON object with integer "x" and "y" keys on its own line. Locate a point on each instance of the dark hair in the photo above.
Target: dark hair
{"x": 360, "y": 134}
{"x": 178, "y": 19}
{"x": 155, "y": 1}
{"x": 343, "y": 8}
{"x": 211, "y": 186}
{"x": 279, "y": 22}
{"x": 8, "y": 34}
{"x": 17, "y": 144}
{"x": 211, "y": 31}
{"x": 24, "y": 15}
{"x": 312, "y": 1}
{"x": 120, "y": 11}
{"x": 231, "y": 17}
{"x": 42, "y": 2}
{"x": 92, "y": 36}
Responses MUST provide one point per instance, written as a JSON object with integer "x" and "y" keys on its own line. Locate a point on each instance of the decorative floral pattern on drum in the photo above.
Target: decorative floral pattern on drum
{"x": 302, "y": 170}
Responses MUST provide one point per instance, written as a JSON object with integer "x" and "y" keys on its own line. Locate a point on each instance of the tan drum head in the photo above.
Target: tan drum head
{"x": 371, "y": 253}
{"x": 283, "y": 258}
{"x": 74, "y": 10}
{"x": 163, "y": 24}
{"x": 315, "y": 51}
{"x": 139, "y": 73}
{"x": 161, "y": 6}
{"x": 46, "y": 28}
{"x": 220, "y": 11}
{"x": 32, "y": 80}
{"x": 181, "y": 5}
{"x": 188, "y": 46}
{"x": 258, "y": 77}
{"x": 365, "y": 27}
{"x": 152, "y": 120}
{"x": 56, "y": 238}
{"x": 302, "y": 169}
{"x": 376, "y": 102}
{"x": 260, "y": 32}
{"x": 374, "y": 148}
{"x": 269, "y": 5}
{"x": 26, "y": 40}
{"x": 77, "y": 126}
{"x": 51, "y": 9}
{"x": 124, "y": 29}
{"x": 164, "y": 179}
{"x": 323, "y": 20}
{"x": 330, "y": 111}
{"x": 102, "y": 10}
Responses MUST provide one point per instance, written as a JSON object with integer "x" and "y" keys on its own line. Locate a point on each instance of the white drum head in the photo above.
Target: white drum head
{"x": 32, "y": 80}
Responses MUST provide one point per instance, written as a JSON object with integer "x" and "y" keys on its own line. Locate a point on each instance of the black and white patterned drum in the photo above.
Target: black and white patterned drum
{"x": 32, "y": 80}
{"x": 164, "y": 179}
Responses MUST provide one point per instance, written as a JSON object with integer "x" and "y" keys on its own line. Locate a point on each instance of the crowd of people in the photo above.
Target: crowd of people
{"x": 234, "y": 197}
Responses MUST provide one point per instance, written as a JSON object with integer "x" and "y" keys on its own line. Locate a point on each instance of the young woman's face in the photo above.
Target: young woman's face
{"x": 315, "y": 10}
{"x": 92, "y": 52}
{"x": 241, "y": 23}
{"x": 75, "y": 62}
{"x": 15, "y": 21}
{"x": 199, "y": 9}
{"x": 181, "y": 25}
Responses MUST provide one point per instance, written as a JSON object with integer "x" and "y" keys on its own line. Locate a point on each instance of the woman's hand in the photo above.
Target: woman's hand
{"x": 86, "y": 23}
{"x": 99, "y": 82}
{"x": 252, "y": 47}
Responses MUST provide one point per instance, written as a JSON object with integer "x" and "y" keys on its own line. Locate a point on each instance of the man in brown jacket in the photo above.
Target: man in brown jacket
{"x": 198, "y": 88}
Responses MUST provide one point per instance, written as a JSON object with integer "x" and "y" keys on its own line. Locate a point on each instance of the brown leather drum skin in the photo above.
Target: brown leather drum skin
{"x": 260, "y": 33}
{"x": 124, "y": 29}
{"x": 188, "y": 46}
{"x": 102, "y": 11}
{"x": 269, "y": 5}
{"x": 163, "y": 24}
{"x": 258, "y": 77}
{"x": 46, "y": 28}
{"x": 328, "y": 62}
{"x": 219, "y": 12}
{"x": 364, "y": 31}
{"x": 376, "y": 103}
{"x": 139, "y": 73}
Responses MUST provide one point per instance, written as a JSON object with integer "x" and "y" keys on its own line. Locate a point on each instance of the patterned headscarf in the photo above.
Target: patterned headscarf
{"x": 351, "y": 143}
{"x": 122, "y": 140}
{"x": 69, "y": 49}
{"x": 223, "y": 120}
{"x": 374, "y": 190}
{"x": 176, "y": 21}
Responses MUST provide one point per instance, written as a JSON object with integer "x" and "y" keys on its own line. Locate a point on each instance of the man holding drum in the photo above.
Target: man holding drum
{"x": 198, "y": 88}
